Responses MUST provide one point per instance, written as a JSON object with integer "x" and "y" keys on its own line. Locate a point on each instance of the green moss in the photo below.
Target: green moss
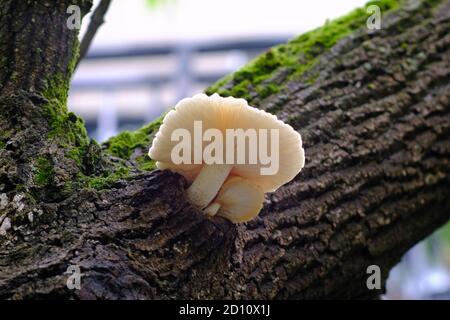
{"x": 296, "y": 56}
{"x": 106, "y": 180}
{"x": 124, "y": 144}
{"x": 267, "y": 90}
{"x": 44, "y": 171}
{"x": 66, "y": 129}
{"x": 145, "y": 163}
{"x": 311, "y": 79}
{"x": 56, "y": 92}
{"x": 2, "y": 144}
{"x": 241, "y": 89}
{"x": 62, "y": 122}
{"x": 92, "y": 158}
{"x": 371, "y": 86}
{"x": 75, "y": 55}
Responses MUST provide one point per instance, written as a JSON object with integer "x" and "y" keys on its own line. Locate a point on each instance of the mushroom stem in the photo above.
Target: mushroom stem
{"x": 205, "y": 187}
{"x": 212, "y": 209}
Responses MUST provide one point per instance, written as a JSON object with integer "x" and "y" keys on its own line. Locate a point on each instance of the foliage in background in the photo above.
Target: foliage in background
{"x": 156, "y": 3}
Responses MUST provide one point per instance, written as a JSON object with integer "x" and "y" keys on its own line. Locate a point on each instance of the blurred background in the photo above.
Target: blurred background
{"x": 150, "y": 53}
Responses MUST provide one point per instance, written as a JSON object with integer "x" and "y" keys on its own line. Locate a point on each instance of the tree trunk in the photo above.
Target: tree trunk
{"x": 372, "y": 107}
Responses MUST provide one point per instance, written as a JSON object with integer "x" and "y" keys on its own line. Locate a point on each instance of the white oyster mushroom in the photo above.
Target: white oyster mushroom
{"x": 206, "y": 180}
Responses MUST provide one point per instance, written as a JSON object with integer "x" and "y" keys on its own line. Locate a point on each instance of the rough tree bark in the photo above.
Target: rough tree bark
{"x": 373, "y": 110}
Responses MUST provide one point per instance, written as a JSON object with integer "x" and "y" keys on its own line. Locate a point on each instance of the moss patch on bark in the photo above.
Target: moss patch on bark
{"x": 126, "y": 143}
{"x": 44, "y": 171}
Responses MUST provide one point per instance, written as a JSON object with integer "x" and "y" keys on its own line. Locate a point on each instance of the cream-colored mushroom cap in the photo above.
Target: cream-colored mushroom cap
{"x": 238, "y": 200}
{"x": 221, "y": 113}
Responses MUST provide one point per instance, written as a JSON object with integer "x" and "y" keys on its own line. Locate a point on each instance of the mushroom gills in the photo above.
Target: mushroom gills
{"x": 242, "y": 196}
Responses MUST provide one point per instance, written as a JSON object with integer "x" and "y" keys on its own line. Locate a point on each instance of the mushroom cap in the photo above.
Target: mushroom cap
{"x": 239, "y": 199}
{"x": 228, "y": 113}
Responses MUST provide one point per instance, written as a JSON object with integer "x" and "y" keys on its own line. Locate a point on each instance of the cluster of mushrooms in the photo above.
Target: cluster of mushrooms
{"x": 233, "y": 191}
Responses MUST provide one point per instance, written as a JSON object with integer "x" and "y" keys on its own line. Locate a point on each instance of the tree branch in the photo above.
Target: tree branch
{"x": 96, "y": 21}
{"x": 373, "y": 109}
